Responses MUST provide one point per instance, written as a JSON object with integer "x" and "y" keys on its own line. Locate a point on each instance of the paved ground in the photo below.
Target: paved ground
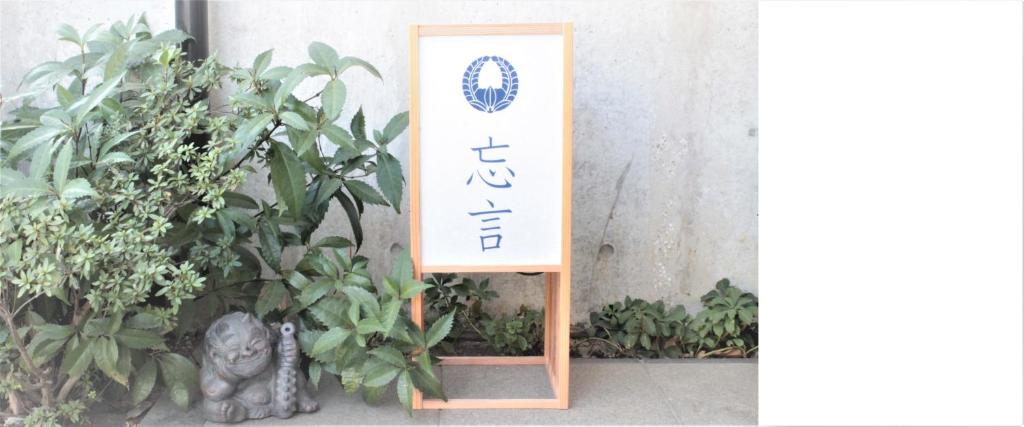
{"x": 603, "y": 392}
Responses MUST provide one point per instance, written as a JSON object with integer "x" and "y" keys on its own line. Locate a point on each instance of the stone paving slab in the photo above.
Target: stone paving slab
{"x": 608, "y": 392}
{"x": 600, "y": 393}
{"x": 497, "y": 382}
{"x": 728, "y": 396}
{"x": 166, "y": 413}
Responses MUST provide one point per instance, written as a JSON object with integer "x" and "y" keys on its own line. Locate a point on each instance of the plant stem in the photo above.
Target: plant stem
{"x": 472, "y": 324}
{"x": 65, "y": 390}
{"x": 23, "y": 305}
{"x": 719, "y": 351}
{"x": 618, "y": 347}
{"x": 19, "y": 342}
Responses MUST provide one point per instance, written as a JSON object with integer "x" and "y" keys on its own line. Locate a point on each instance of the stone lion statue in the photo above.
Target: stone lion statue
{"x": 242, "y": 378}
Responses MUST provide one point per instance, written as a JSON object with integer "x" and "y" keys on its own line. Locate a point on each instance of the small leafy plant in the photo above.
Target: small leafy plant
{"x": 465, "y": 298}
{"x": 727, "y": 323}
{"x": 637, "y": 328}
{"x": 517, "y": 334}
{"x": 361, "y": 335}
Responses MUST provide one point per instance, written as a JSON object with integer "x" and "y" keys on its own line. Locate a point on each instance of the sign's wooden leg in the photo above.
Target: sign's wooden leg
{"x": 416, "y": 312}
{"x": 549, "y": 328}
{"x": 563, "y": 313}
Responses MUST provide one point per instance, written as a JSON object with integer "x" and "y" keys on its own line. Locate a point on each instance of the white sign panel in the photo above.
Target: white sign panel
{"x": 491, "y": 141}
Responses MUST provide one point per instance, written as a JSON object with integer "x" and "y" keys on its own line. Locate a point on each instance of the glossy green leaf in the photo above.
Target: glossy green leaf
{"x": 144, "y": 320}
{"x": 389, "y": 312}
{"x": 329, "y": 312}
{"x": 116, "y": 61}
{"x": 271, "y": 297}
{"x": 404, "y": 388}
{"x": 391, "y": 287}
{"x": 370, "y": 325}
{"x": 69, "y": 34}
{"x": 294, "y": 120}
{"x": 288, "y": 85}
{"x": 172, "y": 36}
{"x": 333, "y": 99}
{"x": 246, "y": 133}
{"x": 333, "y": 242}
{"x": 301, "y": 142}
{"x": 270, "y": 243}
{"x": 113, "y": 158}
{"x": 77, "y": 188}
{"x": 30, "y": 141}
{"x": 401, "y": 269}
{"x": 389, "y": 179}
{"x": 288, "y": 179}
{"x": 339, "y": 137}
{"x": 351, "y": 61}
{"x": 395, "y": 126}
{"x": 252, "y": 100}
{"x": 83, "y": 106}
{"x": 377, "y": 373}
{"x": 411, "y": 288}
{"x": 140, "y": 339}
{"x": 143, "y": 384}
{"x": 331, "y": 339}
{"x": 105, "y": 353}
{"x": 240, "y": 200}
{"x": 16, "y": 185}
{"x": 316, "y": 290}
{"x": 440, "y": 329}
{"x": 353, "y": 217}
{"x": 363, "y": 297}
{"x": 389, "y": 355}
{"x": 262, "y": 62}
{"x": 124, "y": 365}
{"x": 427, "y": 382}
{"x": 365, "y": 192}
{"x": 42, "y": 158}
{"x": 181, "y": 376}
{"x": 61, "y": 168}
{"x": 315, "y": 370}
{"x": 358, "y": 125}
{"x": 77, "y": 358}
{"x": 323, "y": 55}
{"x": 276, "y": 73}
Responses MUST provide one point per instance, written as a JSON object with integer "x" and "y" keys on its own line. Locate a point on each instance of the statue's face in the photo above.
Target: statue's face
{"x": 246, "y": 350}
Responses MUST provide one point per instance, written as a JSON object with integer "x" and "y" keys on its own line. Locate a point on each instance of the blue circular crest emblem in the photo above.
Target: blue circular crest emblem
{"x": 490, "y": 99}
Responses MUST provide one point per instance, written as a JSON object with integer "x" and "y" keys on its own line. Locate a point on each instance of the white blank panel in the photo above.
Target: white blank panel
{"x": 531, "y": 125}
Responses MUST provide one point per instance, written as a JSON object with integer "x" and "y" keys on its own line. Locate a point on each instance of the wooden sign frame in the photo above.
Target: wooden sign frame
{"x": 557, "y": 288}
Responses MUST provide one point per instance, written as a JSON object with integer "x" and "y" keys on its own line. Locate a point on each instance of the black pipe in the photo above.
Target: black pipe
{"x": 190, "y": 17}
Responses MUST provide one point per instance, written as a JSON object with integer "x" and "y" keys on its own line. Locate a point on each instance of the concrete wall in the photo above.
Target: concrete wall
{"x": 665, "y": 173}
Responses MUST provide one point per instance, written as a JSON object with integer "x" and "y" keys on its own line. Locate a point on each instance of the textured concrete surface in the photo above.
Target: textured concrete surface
{"x": 604, "y": 392}
{"x": 665, "y": 171}
{"x": 497, "y": 382}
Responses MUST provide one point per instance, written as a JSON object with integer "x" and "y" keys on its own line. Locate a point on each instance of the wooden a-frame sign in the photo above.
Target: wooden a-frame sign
{"x": 490, "y": 174}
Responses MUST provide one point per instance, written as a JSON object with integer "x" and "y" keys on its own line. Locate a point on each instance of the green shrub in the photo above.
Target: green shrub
{"x": 517, "y": 334}
{"x": 510, "y": 335}
{"x": 728, "y": 321}
{"x": 465, "y": 298}
{"x": 91, "y": 189}
{"x": 727, "y": 327}
{"x": 117, "y": 220}
{"x": 359, "y": 332}
{"x": 636, "y": 328}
